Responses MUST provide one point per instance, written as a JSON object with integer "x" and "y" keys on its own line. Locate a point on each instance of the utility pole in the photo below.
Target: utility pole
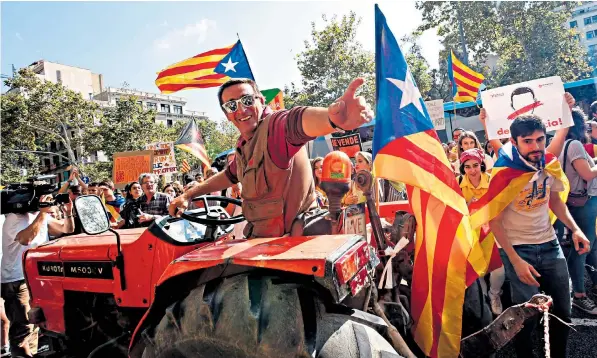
{"x": 461, "y": 32}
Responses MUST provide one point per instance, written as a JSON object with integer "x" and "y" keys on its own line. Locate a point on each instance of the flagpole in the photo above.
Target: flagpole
{"x": 248, "y": 62}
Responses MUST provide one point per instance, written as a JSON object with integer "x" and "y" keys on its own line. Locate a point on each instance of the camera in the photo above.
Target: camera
{"x": 21, "y": 198}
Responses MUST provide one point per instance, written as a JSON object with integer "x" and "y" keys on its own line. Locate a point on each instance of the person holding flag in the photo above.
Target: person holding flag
{"x": 271, "y": 162}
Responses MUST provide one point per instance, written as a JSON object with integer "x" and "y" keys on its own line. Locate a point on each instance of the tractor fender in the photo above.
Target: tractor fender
{"x": 307, "y": 257}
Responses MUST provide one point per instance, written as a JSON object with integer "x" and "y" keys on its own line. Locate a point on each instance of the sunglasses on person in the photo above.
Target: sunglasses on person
{"x": 232, "y": 105}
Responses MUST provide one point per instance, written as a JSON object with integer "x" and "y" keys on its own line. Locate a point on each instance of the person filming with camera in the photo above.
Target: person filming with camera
{"x": 20, "y": 232}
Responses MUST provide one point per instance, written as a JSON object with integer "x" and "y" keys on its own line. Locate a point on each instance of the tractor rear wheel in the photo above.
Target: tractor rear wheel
{"x": 257, "y": 316}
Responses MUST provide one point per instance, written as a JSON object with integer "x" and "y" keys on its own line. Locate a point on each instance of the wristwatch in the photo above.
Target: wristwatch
{"x": 335, "y": 126}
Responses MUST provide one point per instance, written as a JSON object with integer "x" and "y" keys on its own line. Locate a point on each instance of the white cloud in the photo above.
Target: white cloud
{"x": 18, "y": 36}
{"x": 192, "y": 33}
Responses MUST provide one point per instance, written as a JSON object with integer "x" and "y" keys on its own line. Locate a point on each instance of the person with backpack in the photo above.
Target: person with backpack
{"x": 582, "y": 204}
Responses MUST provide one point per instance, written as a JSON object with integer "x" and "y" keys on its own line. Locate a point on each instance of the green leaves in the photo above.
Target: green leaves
{"x": 36, "y": 113}
{"x": 329, "y": 62}
{"x": 529, "y": 39}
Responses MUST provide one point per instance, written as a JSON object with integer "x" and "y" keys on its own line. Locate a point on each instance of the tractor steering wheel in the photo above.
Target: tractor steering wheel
{"x": 215, "y": 215}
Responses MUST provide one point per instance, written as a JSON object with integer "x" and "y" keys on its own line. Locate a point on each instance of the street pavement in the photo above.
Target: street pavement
{"x": 582, "y": 341}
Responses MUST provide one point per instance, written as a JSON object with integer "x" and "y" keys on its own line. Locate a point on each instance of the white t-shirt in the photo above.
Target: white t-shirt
{"x": 526, "y": 219}
{"x": 12, "y": 265}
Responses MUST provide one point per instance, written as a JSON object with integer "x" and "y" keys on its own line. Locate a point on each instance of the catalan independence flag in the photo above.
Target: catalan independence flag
{"x": 191, "y": 141}
{"x": 510, "y": 174}
{"x": 406, "y": 149}
{"x": 465, "y": 82}
{"x": 185, "y": 167}
{"x": 208, "y": 69}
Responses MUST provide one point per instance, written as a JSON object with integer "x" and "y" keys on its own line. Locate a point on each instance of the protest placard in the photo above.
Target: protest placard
{"x": 163, "y": 157}
{"x": 543, "y": 97}
{"x": 435, "y": 109}
{"x": 349, "y": 144}
{"x": 129, "y": 165}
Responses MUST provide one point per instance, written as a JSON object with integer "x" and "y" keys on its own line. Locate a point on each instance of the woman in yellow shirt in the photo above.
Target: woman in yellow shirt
{"x": 474, "y": 183}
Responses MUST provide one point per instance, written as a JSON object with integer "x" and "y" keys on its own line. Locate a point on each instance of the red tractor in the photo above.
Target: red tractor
{"x": 183, "y": 287}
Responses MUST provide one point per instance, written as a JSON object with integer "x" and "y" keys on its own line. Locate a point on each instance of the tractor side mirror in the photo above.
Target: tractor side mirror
{"x": 92, "y": 214}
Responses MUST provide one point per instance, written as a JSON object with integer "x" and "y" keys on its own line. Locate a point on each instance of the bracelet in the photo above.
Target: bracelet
{"x": 68, "y": 216}
{"x": 335, "y": 126}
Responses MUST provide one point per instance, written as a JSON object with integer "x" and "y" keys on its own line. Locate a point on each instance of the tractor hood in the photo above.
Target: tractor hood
{"x": 85, "y": 247}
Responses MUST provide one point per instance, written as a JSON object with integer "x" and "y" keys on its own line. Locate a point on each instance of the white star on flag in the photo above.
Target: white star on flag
{"x": 230, "y": 65}
{"x": 410, "y": 92}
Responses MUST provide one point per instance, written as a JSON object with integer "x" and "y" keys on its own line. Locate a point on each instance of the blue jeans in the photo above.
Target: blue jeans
{"x": 585, "y": 218}
{"x": 548, "y": 259}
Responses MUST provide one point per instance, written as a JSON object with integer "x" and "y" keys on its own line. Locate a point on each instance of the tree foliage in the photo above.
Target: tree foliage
{"x": 529, "y": 38}
{"x": 331, "y": 59}
{"x": 36, "y": 113}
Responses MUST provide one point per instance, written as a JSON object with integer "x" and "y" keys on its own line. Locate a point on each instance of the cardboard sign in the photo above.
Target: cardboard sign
{"x": 435, "y": 109}
{"x": 349, "y": 144}
{"x": 355, "y": 220}
{"x": 128, "y": 166}
{"x": 543, "y": 97}
{"x": 163, "y": 157}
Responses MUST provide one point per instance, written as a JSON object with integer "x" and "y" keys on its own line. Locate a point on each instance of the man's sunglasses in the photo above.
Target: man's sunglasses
{"x": 232, "y": 105}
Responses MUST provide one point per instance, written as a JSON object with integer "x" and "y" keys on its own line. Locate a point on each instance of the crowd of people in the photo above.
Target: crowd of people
{"x": 271, "y": 171}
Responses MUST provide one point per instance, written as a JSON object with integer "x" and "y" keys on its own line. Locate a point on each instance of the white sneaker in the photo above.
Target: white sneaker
{"x": 495, "y": 302}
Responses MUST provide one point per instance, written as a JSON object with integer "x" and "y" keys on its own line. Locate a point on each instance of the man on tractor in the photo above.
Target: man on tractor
{"x": 271, "y": 162}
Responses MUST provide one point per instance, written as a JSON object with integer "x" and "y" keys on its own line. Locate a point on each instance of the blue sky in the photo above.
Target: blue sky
{"x": 132, "y": 41}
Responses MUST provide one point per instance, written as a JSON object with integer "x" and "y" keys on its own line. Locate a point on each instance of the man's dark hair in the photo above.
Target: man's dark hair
{"x": 593, "y": 110}
{"x": 578, "y": 131}
{"x": 525, "y": 125}
{"x": 104, "y": 183}
{"x": 457, "y": 129}
{"x": 237, "y": 81}
{"x": 93, "y": 184}
{"x": 75, "y": 189}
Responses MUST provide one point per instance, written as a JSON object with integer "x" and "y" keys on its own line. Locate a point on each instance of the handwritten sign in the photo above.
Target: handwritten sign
{"x": 349, "y": 144}
{"x": 354, "y": 220}
{"x": 129, "y": 165}
{"x": 163, "y": 157}
{"x": 435, "y": 109}
{"x": 543, "y": 97}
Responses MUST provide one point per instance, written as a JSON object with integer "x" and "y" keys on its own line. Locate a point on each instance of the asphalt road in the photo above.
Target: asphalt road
{"x": 582, "y": 343}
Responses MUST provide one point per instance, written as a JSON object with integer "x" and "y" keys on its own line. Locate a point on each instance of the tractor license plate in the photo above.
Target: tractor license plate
{"x": 359, "y": 281}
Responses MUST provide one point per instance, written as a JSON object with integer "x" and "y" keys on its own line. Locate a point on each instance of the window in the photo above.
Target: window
{"x": 169, "y": 123}
{"x": 151, "y": 105}
{"x": 177, "y": 109}
{"x": 590, "y": 34}
{"x": 53, "y": 146}
{"x": 165, "y": 108}
{"x": 58, "y": 76}
{"x": 47, "y": 163}
{"x": 587, "y": 21}
{"x": 90, "y": 96}
{"x": 594, "y": 19}
{"x": 573, "y": 24}
{"x": 576, "y": 37}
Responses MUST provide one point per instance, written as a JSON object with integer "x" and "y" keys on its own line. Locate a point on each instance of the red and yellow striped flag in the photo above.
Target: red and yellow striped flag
{"x": 465, "y": 82}
{"x": 207, "y": 69}
{"x": 406, "y": 149}
{"x": 191, "y": 141}
{"x": 185, "y": 167}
